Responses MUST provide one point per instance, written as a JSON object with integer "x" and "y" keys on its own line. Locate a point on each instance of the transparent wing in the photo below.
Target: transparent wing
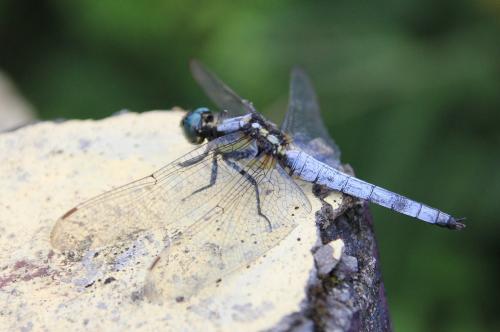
{"x": 161, "y": 200}
{"x": 231, "y": 234}
{"x": 303, "y": 121}
{"x": 225, "y": 98}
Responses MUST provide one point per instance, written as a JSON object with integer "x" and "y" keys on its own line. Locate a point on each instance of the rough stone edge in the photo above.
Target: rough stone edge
{"x": 352, "y": 296}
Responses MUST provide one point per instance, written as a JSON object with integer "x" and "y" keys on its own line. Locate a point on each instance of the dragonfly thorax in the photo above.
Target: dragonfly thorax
{"x": 268, "y": 137}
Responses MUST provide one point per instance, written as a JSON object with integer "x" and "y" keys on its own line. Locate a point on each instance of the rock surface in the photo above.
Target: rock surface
{"x": 47, "y": 168}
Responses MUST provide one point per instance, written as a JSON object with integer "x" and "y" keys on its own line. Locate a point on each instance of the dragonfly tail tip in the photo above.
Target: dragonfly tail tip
{"x": 456, "y": 224}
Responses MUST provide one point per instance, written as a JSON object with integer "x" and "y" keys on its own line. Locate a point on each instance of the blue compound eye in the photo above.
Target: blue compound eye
{"x": 192, "y": 124}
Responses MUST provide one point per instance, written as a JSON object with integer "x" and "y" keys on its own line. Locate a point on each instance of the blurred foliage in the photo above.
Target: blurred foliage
{"x": 409, "y": 89}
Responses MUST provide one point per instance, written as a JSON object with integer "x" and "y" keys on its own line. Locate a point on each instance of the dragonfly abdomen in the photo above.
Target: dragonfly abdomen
{"x": 309, "y": 169}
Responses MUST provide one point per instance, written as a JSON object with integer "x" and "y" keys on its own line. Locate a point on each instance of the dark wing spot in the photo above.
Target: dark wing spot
{"x": 70, "y": 212}
{"x": 157, "y": 259}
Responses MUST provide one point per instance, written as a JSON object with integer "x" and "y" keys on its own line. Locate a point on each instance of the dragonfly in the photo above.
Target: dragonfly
{"x": 233, "y": 197}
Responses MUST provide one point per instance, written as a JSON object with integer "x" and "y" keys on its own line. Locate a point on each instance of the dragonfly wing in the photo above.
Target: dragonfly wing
{"x": 161, "y": 200}
{"x": 222, "y": 95}
{"x": 231, "y": 234}
{"x": 303, "y": 121}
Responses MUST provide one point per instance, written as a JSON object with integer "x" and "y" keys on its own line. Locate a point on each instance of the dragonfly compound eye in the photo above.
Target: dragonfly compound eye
{"x": 193, "y": 122}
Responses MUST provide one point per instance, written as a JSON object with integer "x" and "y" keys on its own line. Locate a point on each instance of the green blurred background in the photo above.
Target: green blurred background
{"x": 409, "y": 89}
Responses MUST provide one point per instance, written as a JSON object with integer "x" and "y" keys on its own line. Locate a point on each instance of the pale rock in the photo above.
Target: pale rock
{"x": 48, "y": 168}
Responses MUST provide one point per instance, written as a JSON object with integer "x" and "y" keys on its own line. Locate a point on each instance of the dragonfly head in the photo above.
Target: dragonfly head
{"x": 195, "y": 124}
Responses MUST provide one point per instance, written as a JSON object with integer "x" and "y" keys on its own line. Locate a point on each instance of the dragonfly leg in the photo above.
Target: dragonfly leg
{"x": 213, "y": 176}
{"x": 194, "y": 160}
{"x": 252, "y": 181}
